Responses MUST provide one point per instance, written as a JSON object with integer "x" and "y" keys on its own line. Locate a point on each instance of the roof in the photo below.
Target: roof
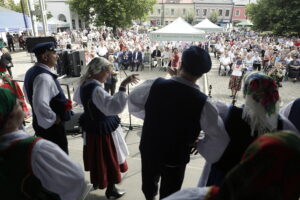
{"x": 214, "y": 1}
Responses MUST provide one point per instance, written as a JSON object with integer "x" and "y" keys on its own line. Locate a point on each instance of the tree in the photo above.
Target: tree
{"x": 190, "y": 18}
{"x": 38, "y": 12}
{"x": 112, "y": 13}
{"x": 278, "y": 16}
{"x": 213, "y": 16}
{"x": 10, "y": 4}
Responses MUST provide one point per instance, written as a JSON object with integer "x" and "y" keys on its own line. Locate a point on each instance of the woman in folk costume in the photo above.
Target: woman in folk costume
{"x": 31, "y": 167}
{"x": 6, "y": 81}
{"x": 259, "y": 115}
{"x": 104, "y": 149}
{"x": 268, "y": 170}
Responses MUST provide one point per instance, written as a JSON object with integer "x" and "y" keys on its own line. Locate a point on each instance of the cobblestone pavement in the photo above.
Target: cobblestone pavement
{"x": 132, "y": 179}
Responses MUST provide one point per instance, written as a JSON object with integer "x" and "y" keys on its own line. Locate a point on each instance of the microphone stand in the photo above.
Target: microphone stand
{"x": 129, "y": 126}
{"x": 209, "y": 92}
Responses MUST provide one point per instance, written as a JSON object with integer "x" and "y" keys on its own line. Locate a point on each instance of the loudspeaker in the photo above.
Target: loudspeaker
{"x": 62, "y": 62}
{"x": 32, "y": 41}
{"x": 76, "y": 62}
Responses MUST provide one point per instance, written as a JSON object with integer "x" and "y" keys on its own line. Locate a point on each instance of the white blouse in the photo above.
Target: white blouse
{"x": 107, "y": 104}
{"x": 53, "y": 167}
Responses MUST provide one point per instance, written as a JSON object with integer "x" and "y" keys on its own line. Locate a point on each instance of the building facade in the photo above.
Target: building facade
{"x": 61, "y": 11}
{"x": 166, "y": 11}
{"x": 239, "y": 13}
{"x": 204, "y": 8}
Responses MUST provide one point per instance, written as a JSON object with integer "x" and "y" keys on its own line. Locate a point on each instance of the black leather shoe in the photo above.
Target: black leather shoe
{"x": 114, "y": 193}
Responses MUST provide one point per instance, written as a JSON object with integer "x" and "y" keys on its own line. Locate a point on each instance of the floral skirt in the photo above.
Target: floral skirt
{"x": 235, "y": 83}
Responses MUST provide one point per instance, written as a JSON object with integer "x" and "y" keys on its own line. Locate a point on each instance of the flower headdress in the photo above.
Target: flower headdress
{"x": 261, "y": 102}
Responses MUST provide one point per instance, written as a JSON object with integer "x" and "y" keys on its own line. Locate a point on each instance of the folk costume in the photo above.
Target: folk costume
{"x": 47, "y": 100}
{"x": 33, "y": 168}
{"x": 267, "y": 171}
{"x": 259, "y": 115}
{"x": 105, "y": 150}
{"x": 174, "y": 112}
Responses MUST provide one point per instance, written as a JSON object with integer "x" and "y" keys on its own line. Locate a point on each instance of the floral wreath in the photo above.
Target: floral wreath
{"x": 263, "y": 90}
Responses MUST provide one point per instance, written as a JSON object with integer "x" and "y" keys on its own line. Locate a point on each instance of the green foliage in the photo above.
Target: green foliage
{"x": 279, "y": 16}
{"x": 38, "y": 12}
{"x": 112, "y": 13}
{"x": 190, "y": 18}
{"x": 213, "y": 16}
{"x": 10, "y": 4}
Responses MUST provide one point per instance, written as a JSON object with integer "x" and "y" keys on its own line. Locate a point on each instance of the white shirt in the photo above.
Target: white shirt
{"x": 223, "y": 110}
{"x": 211, "y": 147}
{"x": 225, "y": 60}
{"x": 285, "y": 111}
{"x": 44, "y": 89}
{"x": 102, "y": 51}
{"x": 56, "y": 171}
{"x": 107, "y": 104}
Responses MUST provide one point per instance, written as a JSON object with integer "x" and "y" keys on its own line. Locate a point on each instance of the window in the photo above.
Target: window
{"x": 62, "y": 17}
{"x": 227, "y": 13}
{"x": 158, "y": 11}
{"x": 198, "y": 12}
{"x": 184, "y": 11}
{"x": 204, "y": 12}
{"x": 237, "y": 13}
{"x": 220, "y": 12}
{"x": 73, "y": 24}
{"x": 172, "y": 11}
{"x": 79, "y": 23}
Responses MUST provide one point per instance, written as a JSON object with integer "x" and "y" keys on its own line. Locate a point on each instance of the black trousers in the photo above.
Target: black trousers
{"x": 55, "y": 134}
{"x": 171, "y": 178}
{"x": 135, "y": 65}
{"x": 111, "y": 87}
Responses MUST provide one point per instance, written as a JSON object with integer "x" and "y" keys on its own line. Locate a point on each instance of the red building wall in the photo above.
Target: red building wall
{"x": 241, "y": 10}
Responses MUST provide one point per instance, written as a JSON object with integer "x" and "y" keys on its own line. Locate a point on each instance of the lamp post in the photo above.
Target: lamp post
{"x": 162, "y": 13}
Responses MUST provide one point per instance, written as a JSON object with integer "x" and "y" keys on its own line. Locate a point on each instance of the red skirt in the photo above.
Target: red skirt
{"x": 100, "y": 158}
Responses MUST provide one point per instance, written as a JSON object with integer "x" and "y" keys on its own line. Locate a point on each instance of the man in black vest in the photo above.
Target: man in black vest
{"x": 174, "y": 112}
{"x": 50, "y": 108}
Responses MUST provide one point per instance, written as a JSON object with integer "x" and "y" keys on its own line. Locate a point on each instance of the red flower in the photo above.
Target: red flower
{"x": 253, "y": 85}
{"x": 68, "y": 105}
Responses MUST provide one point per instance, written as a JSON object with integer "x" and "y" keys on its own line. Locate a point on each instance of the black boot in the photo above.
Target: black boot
{"x": 113, "y": 193}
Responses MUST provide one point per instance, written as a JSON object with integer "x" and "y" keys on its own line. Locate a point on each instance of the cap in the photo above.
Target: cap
{"x": 196, "y": 61}
{"x": 41, "y": 48}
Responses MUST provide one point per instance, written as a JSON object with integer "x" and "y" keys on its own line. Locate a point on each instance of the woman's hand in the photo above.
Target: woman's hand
{"x": 130, "y": 79}
{"x": 172, "y": 71}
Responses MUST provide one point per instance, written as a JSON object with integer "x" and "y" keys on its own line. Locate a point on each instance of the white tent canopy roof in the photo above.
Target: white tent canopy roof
{"x": 179, "y": 30}
{"x": 208, "y": 26}
{"x": 57, "y": 22}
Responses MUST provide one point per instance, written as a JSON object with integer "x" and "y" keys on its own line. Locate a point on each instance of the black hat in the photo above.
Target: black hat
{"x": 196, "y": 61}
{"x": 41, "y": 48}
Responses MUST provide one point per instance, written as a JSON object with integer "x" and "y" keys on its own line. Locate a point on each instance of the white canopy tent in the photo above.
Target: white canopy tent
{"x": 208, "y": 26}
{"x": 57, "y": 23}
{"x": 179, "y": 30}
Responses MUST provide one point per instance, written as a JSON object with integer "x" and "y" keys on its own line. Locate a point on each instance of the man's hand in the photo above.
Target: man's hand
{"x": 172, "y": 71}
{"x": 58, "y": 120}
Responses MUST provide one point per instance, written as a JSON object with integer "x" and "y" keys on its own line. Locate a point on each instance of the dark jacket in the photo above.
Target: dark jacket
{"x": 139, "y": 56}
{"x": 156, "y": 53}
{"x": 6, "y": 60}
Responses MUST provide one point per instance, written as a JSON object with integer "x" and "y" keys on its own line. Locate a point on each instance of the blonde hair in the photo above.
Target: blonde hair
{"x": 95, "y": 66}
{"x": 4, "y": 50}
